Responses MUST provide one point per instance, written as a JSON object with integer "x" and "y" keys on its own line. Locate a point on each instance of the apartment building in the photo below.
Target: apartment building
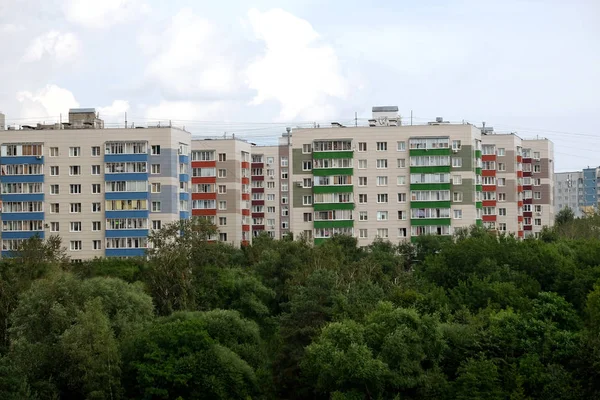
{"x": 221, "y": 186}
{"x": 386, "y": 181}
{"x": 101, "y": 190}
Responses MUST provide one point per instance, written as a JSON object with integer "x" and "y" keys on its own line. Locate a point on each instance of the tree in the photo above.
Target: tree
{"x": 564, "y": 216}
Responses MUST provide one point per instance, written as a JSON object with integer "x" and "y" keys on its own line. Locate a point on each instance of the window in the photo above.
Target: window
{"x": 155, "y": 187}
{"x": 362, "y": 146}
{"x": 401, "y": 197}
{"x": 222, "y": 205}
{"x": 401, "y": 162}
{"x": 222, "y": 221}
{"x": 156, "y": 206}
{"x": 537, "y": 222}
{"x": 382, "y": 181}
{"x": 222, "y": 157}
{"x": 284, "y": 199}
{"x": 489, "y": 210}
{"x": 537, "y": 168}
{"x": 270, "y": 197}
{"x": 382, "y": 198}
{"x": 501, "y": 196}
{"x": 363, "y": 216}
{"x": 307, "y": 217}
{"x": 457, "y": 197}
{"x": 284, "y": 186}
{"x": 501, "y": 166}
{"x": 74, "y": 151}
{"x": 96, "y": 207}
{"x": 54, "y": 208}
{"x": 284, "y": 173}
{"x": 271, "y": 185}
{"x": 536, "y": 155}
{"x": 362, "y": 199}
{"x": 54, "y": 171}
{"x": 97, "y": 244}
{"x": 501, "y": 152}
{"x": 538, "y": 208}
{"x": 381, "y": 146}
{"x": 306, "y": 148}
{"x": 306, "y": 165}
{"x": 456, "y": 145}
{"x": 95, "y": 151}
{"x": 307, "y": 200}
{"x": 53, "y": 151}
{"x": 74, "y": 170}
{"x": 401, "y": 146}
{"x": 502, "y": 226}
{"x": 501, "y": 181}
{"x": 537, "y": 195}
{"x": 270, "y": 209}
{"x": 456, "y": 162}
{"x": 362, "y": 181}
{"x": 155, "y": 150}
{"x": 285, "y": 211}
{"x": 401, "y": 180}
{"x": 75, "y": 227}
{"x": 382, "y": 233}
{"x": 382, "y": 163}
{"x": 362, "y": 233}
{"x": 222, "y": 173}
{"x": 382, "y": 215}
{"x": 222, "y": 189}
{"x": 75, "y": 245}
{"x": 502, "y": 212}
{"x": 155, "y": 169}
{"x": 95, "y": 170}
{"x": 537, "y": 182}
{"x": 96, "y": 188}
{"x": 458, "y": 214}
{"x": 75, "y": 189}
{"x": 456, "y": 180}
{"x": 75, "y": 207}
{"x": 96, "y": 226}
{"x": 54, "y": 227}
{"x": 307, "y": 182}
{"x": 362, "y": 164}
{"x": 284, "y": 161}
{"x": 402, "y": 232}
{"x": 402, "y": 215}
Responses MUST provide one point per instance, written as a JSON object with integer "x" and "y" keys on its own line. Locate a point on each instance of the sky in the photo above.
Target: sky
{"x": 254, "y": 67}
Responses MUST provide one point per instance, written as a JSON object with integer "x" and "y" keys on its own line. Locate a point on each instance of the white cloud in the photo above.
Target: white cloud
{"x": 298, "y": 71}
{"x": 50, "y": 101}
{"x": 185, "y": 111}
{"x": 10, "y": 28}
{"x": 190, "y": 58}
{"x": 114, "y": 113}
{"x": 60, "y": 46}
{"x": 103, "y": 13}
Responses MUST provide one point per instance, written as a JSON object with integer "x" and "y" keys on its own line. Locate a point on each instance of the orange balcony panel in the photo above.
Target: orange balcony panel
{"x": 488, "y": 203}
{"x": 204, "y": 179}
{"x": 488, "y": 157}
{"x": 520, "y": 234}
{"x": 520, "y": 218}
{"x": 519, "y": 188}
{"x": 245, "y": 196}
{"x": 519, "y": 159}
{"x": 245, "y": 164}
{"x": 210, "y": 211}
{"x": 245, "y": 243}
{"x": 519, "y": 174}
{"x": 519, "y": 204}
{"x": 246, "y": 211}
{"x": 246, "y": 228}
{"x": 489, "y": 188}
{"x": 245, "y": 181}
{"x": 204, "y": 164}
{"x": 488, "y": 218}
{"x": 204, "y": 196}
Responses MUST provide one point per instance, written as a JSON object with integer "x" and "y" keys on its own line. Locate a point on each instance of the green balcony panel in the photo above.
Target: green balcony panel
{"x": 334, "y": 224}
{"x": 478, "y": 188}
{"x": 333, "y": 189}
{"x": 479, "y": 222}
{"x": 430, "y": 186}
{"x": 477, "y": 153}
{"x": 332, "y": 171}
{"x": 320, "y": 155}
{"x": 333, "y": 206}
{"x": 430, "y": 204}
{"x": 478, "y": 171}
{"x": 430, "y": 170}
{"x": 430, "y": 152}
{"x": 478, "y": 204}
{"x": 431, "y": 221}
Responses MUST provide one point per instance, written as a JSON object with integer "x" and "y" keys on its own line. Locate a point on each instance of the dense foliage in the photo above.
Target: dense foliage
{"x": 476, "y": 317}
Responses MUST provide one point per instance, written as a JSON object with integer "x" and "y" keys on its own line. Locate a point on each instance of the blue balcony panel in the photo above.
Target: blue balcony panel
{"x": 184, "y": 177}
{"x": 22, "y": 234}
{"x": 126, "y": 196}
{"x": 125, "y": 157}
{"x": 184, "y": 159}
{"x": 184, "y": 196}
{"x": 184, "y": 215}
{"x": 125, "y": 252}
{"x": 123, "y": 233}
{"x": 22, "y": 178}
{"x": 23, "y": 216}
{"x": 22, "y": 160}
{"x": 127, "y": 176}
{"x": 127, "y": 214}
{"x": 22, "y": 197}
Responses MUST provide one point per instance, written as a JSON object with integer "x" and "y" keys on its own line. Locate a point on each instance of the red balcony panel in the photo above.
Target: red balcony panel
{"x": 258, "y": 227}
{"x": 246, "y": 228}
{"x": 258, "y": 202}
{"x": 489, "y": 188}
{"x": 245, "y": 211}
{"x": 520, "y": 233}
{"x": 204, "y": 164}
{"x": 245, "y": 181}
{"x": 527, "y": 160}
{"x": 245, "y": 196}
{"x": 488, "y": 157}
{"x": 519, "y": 159}
{"x": 245, "y": 164}
{"x": 520, "y": 218}
{"x": 488, "y": 203}
{"x": 519, "y": 204}
{"x": 519, "y": 188}
{"x": 527, "y": 187}
{"x": 528, "y": 227}
{"x": 258, "y": 215}
{"x": 528, "y": 201}
{"x": 519, "y": 174}
{"x": 258, "y": 165}
{"x": 211, "y": 211}
{"x": 488, "y": 172}
{"x": 488, "y": 218}
{"x": 258, "y": 178}
{"x": 204, "y": 196}
{"x": 527, "y": 214}
{"x": 204, "y": 179}
{"x": 258, "y": 190}
{"x": 245, "y": 243}
{"x": 527, "y": 174}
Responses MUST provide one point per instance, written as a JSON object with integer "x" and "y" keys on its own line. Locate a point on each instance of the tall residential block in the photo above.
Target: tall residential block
{"x": 221, "y": 186}
{"x": 568, "y": 192}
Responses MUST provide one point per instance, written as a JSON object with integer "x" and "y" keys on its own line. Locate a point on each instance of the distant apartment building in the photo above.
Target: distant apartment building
{"x": 569, "y": 192}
